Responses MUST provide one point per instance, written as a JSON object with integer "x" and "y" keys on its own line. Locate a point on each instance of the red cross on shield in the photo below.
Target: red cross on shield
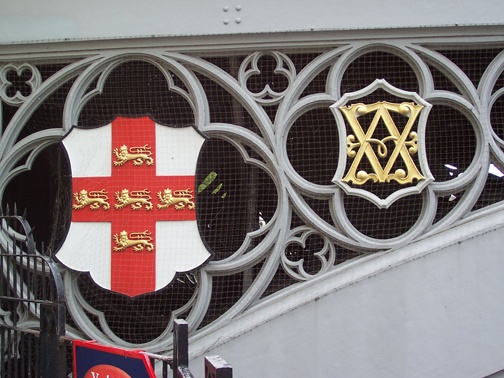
{"x": 133, "y": 204}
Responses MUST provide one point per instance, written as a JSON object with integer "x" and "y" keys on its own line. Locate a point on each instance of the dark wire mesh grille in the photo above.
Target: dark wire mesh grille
{"x": 137, "y": 89}
{"x": 442, "y": 82}
{"x": 492, "y": 193}
{"x": 472, "y": 61}
{"x": 383, "y": 223}
{"x": 313, "y": 146}
{"x": 379, "y": 65}
{"x": 449, "y": 139}
{"x": 139, "y": 319}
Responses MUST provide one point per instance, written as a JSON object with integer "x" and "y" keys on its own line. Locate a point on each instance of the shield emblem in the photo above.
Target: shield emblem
{"x": 382, "y": 151}
{"x": 133, "y": 204}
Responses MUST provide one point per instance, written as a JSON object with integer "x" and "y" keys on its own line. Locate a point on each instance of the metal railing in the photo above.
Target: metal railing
{"x": 32, "y": 306}
{"x": 215, "y": 366}
{"x": 33, "y": 315}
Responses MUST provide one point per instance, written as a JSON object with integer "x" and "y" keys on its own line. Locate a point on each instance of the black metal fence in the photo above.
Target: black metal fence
{"x": 215, "y": 366}
{"x": 31, "y": 288}
{"x": 33, "y": 315}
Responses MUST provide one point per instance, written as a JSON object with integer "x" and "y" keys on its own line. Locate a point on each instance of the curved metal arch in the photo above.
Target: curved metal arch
{"x": 362, "y": 48}
{"x": 481, "y": 134}
{"x": 233, "y": 87}
{"x": 78, "y": 98}
{"x": 240, "y": 261}
{"x": 462, "y": 209}
{"x": 452, "y": 71}
{"x": 488, "y": 99}
{"x": 303, "y": 78}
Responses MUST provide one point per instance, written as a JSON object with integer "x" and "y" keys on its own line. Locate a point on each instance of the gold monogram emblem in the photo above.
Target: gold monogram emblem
{"x": 95, "y": 200}
{"x": 137, "y": 199}
{"x": 404, "y": 144}
{"x": 179, "y": 198}
{"x": 137, "y": 240}
{"x": 139, "y": 155}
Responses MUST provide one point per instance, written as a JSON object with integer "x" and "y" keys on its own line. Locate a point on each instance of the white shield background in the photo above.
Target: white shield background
{"x": 88, "y": 245}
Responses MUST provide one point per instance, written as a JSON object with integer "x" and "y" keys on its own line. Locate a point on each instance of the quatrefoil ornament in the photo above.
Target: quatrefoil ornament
{"x": 18, "y": 98}
{"x": 305, "y": 250}
{"x": 284, "y": 68}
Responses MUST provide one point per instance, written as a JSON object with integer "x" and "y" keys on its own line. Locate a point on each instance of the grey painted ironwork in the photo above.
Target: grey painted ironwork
{"x": 270, "y": 154}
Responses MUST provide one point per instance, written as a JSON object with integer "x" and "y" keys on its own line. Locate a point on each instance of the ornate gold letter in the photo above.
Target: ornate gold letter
{"x": 403, "y": 146}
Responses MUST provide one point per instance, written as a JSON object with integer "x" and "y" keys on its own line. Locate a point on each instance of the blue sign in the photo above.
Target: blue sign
{"x": 92, "y": 360}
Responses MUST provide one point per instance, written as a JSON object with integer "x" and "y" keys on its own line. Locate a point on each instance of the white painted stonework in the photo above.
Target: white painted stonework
{"x": 432, "y": 309}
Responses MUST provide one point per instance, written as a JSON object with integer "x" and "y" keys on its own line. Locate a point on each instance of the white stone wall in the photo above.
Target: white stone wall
{"x": 438, "y": 315}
